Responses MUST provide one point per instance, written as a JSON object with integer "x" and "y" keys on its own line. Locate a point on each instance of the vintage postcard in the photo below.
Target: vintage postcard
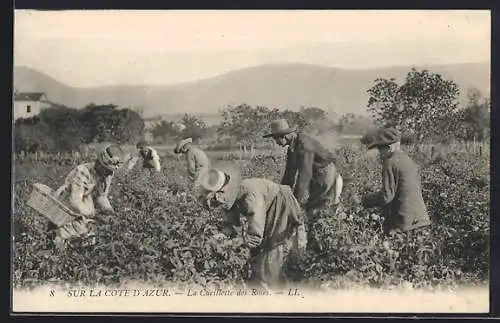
{"x": 333, "y": 161}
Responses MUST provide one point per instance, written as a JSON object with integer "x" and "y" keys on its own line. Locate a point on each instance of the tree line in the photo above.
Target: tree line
{"x": 60, "y": 128}
{"x": 425, "y": 107}
{"x": 243, "y": 125}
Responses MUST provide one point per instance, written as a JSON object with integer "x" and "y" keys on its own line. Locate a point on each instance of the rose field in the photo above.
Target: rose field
{"x": 160, "y": 235}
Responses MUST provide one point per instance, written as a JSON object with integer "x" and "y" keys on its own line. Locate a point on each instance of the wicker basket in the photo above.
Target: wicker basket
{"x": 43, "y": 201}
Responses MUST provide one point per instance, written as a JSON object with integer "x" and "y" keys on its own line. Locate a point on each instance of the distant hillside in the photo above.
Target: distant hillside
{"x": 281, "y": 85}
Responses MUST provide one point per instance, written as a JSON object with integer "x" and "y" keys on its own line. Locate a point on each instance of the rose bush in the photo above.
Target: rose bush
{"x": 159, "y": 234}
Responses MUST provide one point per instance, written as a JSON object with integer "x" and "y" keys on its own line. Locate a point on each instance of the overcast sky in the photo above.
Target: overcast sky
{"x": 92, "y": 48}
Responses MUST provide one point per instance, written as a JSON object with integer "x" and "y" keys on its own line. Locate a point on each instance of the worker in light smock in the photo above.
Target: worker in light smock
{"x": 85, "y": 185}
{"x": 273, "y": 217}
{"x": 196, "y": 159}
{"x": 149, "y": 156}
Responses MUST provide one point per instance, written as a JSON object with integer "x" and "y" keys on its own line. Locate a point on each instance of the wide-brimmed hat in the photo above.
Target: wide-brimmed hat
{"x": 280, "y": 127}
{"x": 181, "y": 145}
{"x": 224, "y": 178}
{"x": 111, "y": 157}
{"x": 381, "y": 137}
{"x": 212, "y": 180}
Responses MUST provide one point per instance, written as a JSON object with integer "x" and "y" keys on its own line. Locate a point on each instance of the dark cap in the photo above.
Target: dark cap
{"x": 141, "y": 144}
{"x": 381, "y": 137}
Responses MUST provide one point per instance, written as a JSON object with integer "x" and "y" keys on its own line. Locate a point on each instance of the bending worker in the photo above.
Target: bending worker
{"x": 85, "y": 184}
{"x": 149, "y": 156}
{"x": 196, "y": 159}
{"x": 275, "y": 221}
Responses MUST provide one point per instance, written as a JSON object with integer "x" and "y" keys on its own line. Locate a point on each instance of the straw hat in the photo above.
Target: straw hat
{"x": 212, "y": 180}
{"x": 222, "y": 179}
{"x": 279, "y": 127}
{"x": 181, "y": 145}
{"x": 111, "y": 157}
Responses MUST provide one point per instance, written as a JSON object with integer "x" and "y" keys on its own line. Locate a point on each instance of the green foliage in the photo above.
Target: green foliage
{"x": 313, "y": 113}
{"x": 189, "y": 126}
{"x": 30, "y": 136}
{"x": 160, "y": 234}
{"x": 476, "y": 116}
{"x": 454, "y": 252}
{"x": 165, "y": 130}
{"x": 146, "y": 240}
{"x": 192, "y": 122}
{"x": 246, "y": 125}
{"x": 424, "y": 106}
{"x": 243, "y": 124}
{"x": 64, "y": 129}
{"x": 107, "y": 123}
{"x": 350, "y": 124}
{"x": 194, "y": 127}
{"x": 56, "y": 128}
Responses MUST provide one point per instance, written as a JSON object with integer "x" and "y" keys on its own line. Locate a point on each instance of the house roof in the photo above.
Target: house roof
{"x": 29, "y": 96}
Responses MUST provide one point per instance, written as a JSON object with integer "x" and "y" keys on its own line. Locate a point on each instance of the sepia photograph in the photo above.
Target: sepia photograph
{"x": 251, "y": 161}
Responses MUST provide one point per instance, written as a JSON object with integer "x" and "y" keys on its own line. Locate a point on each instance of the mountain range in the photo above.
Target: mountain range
{"x": 286, "y": 86}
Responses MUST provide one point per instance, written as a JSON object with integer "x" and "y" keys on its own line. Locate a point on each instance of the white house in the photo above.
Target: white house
{"x": 29, "y": 104}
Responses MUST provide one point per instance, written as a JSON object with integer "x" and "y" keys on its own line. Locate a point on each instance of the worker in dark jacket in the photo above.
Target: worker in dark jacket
{"x": 401, "y": 194}
{"x": 317, "y": 173}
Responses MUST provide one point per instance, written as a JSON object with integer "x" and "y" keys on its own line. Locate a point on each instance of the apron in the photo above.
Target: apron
{"x": 268, "y": 259}
{"x": 322, "y": 186}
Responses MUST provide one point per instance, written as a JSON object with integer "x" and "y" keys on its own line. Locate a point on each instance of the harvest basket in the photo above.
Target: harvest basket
{"x": 43, "y": 201}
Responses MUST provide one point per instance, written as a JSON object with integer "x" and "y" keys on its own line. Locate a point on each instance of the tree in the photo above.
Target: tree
{"x": 165, "y": 130}
{"x": 345, "y": 121}
{"x": 60, "y": 128}
{"x": 424, "y": 106}
{"x": 194, "y": 127}
{"x": 191, "y": 121}
{"x": 476, "y": 116}
{"x": 243, "y": 124}
{"x": 97, "y": 121}
{"x": 313, "y": 114}
{"x": 383, "y": 103}
{"x": 55, "y": 128}
{"x": 351, "y": 124}
{"x": 316, "y": 120}
{"x": 128, "y": 125}
{"x": 296, "y": 119}
{"x": 30, "y": 136}
{"x": 63, "y": 126}
{"x": 108, "y": 123}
